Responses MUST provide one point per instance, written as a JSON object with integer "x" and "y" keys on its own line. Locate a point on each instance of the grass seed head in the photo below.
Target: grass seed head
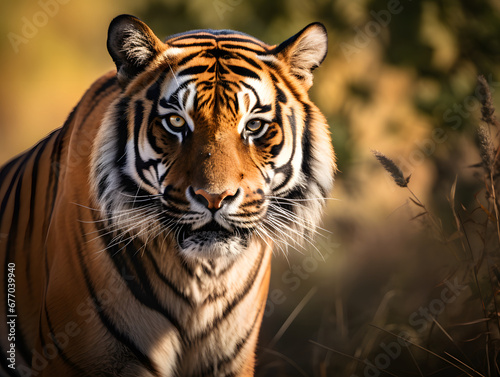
{"x": 391, "y": 167}
{"x": 487, "y": 109}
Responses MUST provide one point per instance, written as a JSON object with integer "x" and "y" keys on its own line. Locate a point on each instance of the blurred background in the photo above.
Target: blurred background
{"x": 390, "y": 263}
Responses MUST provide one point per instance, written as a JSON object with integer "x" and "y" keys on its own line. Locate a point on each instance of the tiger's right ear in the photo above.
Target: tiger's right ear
{"x": 132, "y": 45}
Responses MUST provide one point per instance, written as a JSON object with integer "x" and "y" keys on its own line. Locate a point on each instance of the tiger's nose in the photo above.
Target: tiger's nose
{"x": 214, "y": 201}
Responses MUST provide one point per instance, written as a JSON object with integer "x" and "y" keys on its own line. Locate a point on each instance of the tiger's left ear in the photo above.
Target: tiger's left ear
{"x": 305, "y": 51}
{"x": 132, "y": 45}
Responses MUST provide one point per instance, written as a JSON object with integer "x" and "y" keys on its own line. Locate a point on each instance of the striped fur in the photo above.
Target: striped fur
{"x": 142, "y": 230}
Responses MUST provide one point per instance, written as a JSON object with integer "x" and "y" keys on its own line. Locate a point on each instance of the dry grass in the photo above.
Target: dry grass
{"x": 429, "y": 307}
{"x": 478, "y": 267}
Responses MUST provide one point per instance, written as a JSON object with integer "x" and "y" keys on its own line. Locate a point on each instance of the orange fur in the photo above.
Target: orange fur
{"x": 121, "y": 267}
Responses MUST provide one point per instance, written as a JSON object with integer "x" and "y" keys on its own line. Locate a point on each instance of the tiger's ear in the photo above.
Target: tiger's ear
{"x": 132, "y": 45}
{"x": 305, "y": 51}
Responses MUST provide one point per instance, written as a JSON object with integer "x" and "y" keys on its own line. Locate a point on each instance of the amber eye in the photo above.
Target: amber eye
{"x": 176, "y": 121}
{"x": 254, "y": 125}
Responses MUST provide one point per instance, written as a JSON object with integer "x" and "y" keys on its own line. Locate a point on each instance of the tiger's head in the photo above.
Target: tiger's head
{"x": 213, "y": 140}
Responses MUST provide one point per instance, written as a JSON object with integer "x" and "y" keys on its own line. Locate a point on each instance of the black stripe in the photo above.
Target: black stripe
{"x": 211, "y": 69}
{"x": 154, "y": 91}
{"x": 263, "y": 109}
{"x": 250, "y": 61}
{"x": 239, "y": 39}
{"x": 106, "y": 321}
{"x": 60, "y": 350}
{"x": 148, "y": 296}
{"x": 7, "y": 168}
{"x": 226, "y": 268}
{"x": 173, "y": 199}
{"x": 101, "y": 186}
{"x": 140, "y": 286}
{"x": 231, "y": 46}
{"x": 34, "y": 180}
{"x": 221, "y": 362}
{"x": 173, "y": 100}
{"x": 55, "y": 166}
{"x": 280, "y": 95}
{"x": 205, "y": 35}
{"x": 242, "y": 71}
{"x": 307, "y": 156}
{"x": 185, "y": 98}
{"x": 287, "y": 169}
{"x": 19, "y": 171}
{"x": 236, "y": 106}
{"x": 153, "y": 141}
{"x": 247, "y": 286}
{"x": 194, "y": 70}
{"x": 257, "y": 97}
{"x": 164, "y": 103}
{"x": 31, "y": 215}
{"x": 229, "y": 85}
{"x": 168, "y": 282}
{"x": 55, "y": 157}
{"x": 285, "y": 80}
{"x": 200, "y": 44}
{"x": 121, "y": 132}
{"x": 140, "y": 165}
{"x": 220, "y": 36}
{"x": 188, "y": 58}
{"x": 257, "y": 202}
{"x": 306, "y": 145}
{"x": 187, "y": 268}
{"x": 278, "y": 119}
{"x": 21, "y": 345}
{"x": 168, "y": 166}
{"x": 108, "y": 83}
{"x": 96, "y": 100}
{"x": 40, "y": 336}
{"x": 271, "y": 65}
{"x": 9, "y": 258}
{"x": 243, "y": 215}
{"x": 54, "y": 172}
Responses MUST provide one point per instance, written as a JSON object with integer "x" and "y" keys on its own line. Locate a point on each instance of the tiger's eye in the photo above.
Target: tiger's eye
{"x": 254, "y": 125}
{"x": 176, "y": 121}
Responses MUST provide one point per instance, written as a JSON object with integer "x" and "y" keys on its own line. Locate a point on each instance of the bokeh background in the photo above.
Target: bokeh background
{"x": 401, "y": 78}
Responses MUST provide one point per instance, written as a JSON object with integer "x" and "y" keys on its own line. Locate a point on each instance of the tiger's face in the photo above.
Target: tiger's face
{"x": 213, "y": 141}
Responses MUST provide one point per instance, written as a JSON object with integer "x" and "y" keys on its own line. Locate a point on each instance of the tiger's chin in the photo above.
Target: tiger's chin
{"x": 208, "y": 243}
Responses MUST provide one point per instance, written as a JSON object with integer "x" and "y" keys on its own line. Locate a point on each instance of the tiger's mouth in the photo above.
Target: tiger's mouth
{"x": 211, "y": 232}
{"x": 212, "y": 238}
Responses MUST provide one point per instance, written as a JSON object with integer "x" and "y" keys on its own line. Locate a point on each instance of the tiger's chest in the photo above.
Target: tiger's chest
{"x": 179, "y": 319}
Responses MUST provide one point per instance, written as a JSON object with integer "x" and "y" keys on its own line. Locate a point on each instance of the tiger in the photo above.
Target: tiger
{"x": 136, "y": 240}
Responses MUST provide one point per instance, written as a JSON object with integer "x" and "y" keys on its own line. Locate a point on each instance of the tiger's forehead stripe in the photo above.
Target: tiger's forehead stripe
{"x": 221, "y": 39}
{"x": 205, "y": 58}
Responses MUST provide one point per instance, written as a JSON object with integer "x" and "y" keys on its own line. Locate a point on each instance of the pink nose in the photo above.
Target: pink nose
{"x": 214, "y": 200}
